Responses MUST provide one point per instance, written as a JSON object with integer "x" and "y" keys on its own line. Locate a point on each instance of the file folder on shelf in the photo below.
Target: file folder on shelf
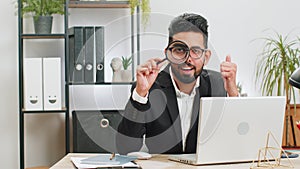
{"x": 33, "y": 91}
{"x": 76, "y": 54}
{"x": 99, "y": 44}
{"x": 86, "y": 54}
{"x": 89, "y": 68}
{"x": 52, "y": 83}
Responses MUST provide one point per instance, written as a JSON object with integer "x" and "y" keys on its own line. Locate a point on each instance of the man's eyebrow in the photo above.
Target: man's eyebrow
{"x": 196, "y": 47}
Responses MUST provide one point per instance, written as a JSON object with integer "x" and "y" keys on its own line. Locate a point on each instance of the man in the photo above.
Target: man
{"x": 164, "y": 105}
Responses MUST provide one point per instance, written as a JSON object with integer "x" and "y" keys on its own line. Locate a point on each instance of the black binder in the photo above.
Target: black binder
{"x": 76, "y": 54}
{"x": 89, "y": 69}
{"x": 99, "y": 35}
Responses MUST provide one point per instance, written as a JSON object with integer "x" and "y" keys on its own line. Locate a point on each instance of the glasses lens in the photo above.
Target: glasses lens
{"x": 196, "y": 52}
{"x": 177, "y": 52}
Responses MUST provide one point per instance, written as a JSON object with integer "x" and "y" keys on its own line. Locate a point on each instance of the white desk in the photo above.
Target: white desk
{"x": 161, "y": 162}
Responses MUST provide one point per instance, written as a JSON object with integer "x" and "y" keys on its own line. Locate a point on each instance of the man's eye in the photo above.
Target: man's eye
{"x": 179, "y": 50}
{"x": 197, "y": 51}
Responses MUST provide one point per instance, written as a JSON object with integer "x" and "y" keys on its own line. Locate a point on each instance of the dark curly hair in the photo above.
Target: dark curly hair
{"x": 189, "y": 22}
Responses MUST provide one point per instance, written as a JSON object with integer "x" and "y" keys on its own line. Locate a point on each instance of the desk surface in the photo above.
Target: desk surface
{"x": 162, "y": 162}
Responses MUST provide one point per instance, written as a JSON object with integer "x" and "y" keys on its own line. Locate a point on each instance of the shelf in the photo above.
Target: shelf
{"x": 63, "y": 110}
{"x": 43, "y": 36}
{"x": 105, "y": 83}
{"x": 83, "y": 87}
{"x": 99, "y": 4}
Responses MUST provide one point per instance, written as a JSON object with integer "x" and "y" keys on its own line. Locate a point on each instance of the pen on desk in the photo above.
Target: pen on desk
{"x": 112, "y": 156}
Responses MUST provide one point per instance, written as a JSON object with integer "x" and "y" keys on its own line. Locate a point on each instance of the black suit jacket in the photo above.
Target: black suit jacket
{"x": 159, "y": 118}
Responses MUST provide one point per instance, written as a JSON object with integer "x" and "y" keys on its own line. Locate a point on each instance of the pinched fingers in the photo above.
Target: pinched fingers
{"x": 149, "y": 67}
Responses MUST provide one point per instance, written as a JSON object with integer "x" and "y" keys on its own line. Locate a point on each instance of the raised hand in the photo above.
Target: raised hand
{"x": 228, "y": 71}
{"x": 146, "y": 74}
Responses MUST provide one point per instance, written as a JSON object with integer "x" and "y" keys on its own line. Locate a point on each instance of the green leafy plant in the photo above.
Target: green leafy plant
{"x": 145, "y": 8}
{"x": 42, "y": 7}
{"x": 126, "y": 62}
{"x": 279, "y": 59}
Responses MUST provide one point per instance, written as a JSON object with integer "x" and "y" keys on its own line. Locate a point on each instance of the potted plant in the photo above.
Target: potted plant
{"x": 127, "y": 74}
{"x": 126, "y": 62}
{"x": 279, "y": 59}
{"x": 42, "y": 11}
{"x": 145, "y": 8}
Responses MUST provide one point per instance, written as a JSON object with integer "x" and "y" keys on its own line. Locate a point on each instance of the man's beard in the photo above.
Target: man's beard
{"x": 185, "y": 78}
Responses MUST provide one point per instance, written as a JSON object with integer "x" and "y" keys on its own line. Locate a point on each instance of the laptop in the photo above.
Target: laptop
{"x": 234, "y": 129}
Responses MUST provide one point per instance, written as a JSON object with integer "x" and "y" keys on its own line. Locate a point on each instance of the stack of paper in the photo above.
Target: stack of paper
{"x": 104, "y": 160}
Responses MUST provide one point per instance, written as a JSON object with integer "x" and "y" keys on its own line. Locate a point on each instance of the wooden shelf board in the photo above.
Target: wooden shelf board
{"x": 43, "y": 36}
{"x": 63, "y": 110}
{"x": 99, "y": 4}
{"x": 102, "y": 83}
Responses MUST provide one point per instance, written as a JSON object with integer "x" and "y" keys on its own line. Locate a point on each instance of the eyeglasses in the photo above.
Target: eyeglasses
{"x": 178, "y": 52}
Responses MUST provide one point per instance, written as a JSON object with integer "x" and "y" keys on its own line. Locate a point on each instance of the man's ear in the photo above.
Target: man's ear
{"x": 207, "y": 55}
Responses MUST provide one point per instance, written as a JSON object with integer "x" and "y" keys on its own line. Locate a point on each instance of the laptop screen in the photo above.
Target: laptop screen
{"x": 233, "y": 129}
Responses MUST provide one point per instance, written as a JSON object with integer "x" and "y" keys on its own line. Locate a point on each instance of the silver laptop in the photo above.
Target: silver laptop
{"x": 233, "y": 129}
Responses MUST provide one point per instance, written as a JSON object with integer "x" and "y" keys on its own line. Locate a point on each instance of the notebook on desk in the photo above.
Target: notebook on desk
{"x": 233, "y": 129}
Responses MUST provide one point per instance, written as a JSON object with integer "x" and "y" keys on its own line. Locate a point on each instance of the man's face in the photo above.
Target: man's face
{"x": 187, "y": 72}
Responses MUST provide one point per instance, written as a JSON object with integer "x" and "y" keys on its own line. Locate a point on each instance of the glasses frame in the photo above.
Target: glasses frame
{"x": 187, "y": 52}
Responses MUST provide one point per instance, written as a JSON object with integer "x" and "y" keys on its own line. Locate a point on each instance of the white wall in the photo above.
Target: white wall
{"x": 8, "y": 86}
{"x": 234, "y": 24}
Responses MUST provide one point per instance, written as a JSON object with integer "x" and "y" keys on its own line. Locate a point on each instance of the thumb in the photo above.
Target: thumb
{"x": 228, "y": 58}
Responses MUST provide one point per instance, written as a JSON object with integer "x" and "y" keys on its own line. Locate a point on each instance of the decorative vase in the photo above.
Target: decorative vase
{"x": 43, "y": 24}
{"x": 126, "y": 75}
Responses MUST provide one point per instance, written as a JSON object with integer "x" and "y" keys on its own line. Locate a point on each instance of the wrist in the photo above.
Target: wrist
{"x": 139, "y": 98}
{"x": 233, "y": 93}
{"x": 142, "y": 93}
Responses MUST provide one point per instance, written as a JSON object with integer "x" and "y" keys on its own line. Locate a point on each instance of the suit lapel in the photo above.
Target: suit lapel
{"x": 165, "y": 83}
{"x": 195, "y": 110}
{"x": 202, "y": 91}
{"x": 204, "y": 87}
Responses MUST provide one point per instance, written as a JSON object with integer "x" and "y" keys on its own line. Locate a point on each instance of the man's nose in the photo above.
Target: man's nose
{"x": 189, "y": 58}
